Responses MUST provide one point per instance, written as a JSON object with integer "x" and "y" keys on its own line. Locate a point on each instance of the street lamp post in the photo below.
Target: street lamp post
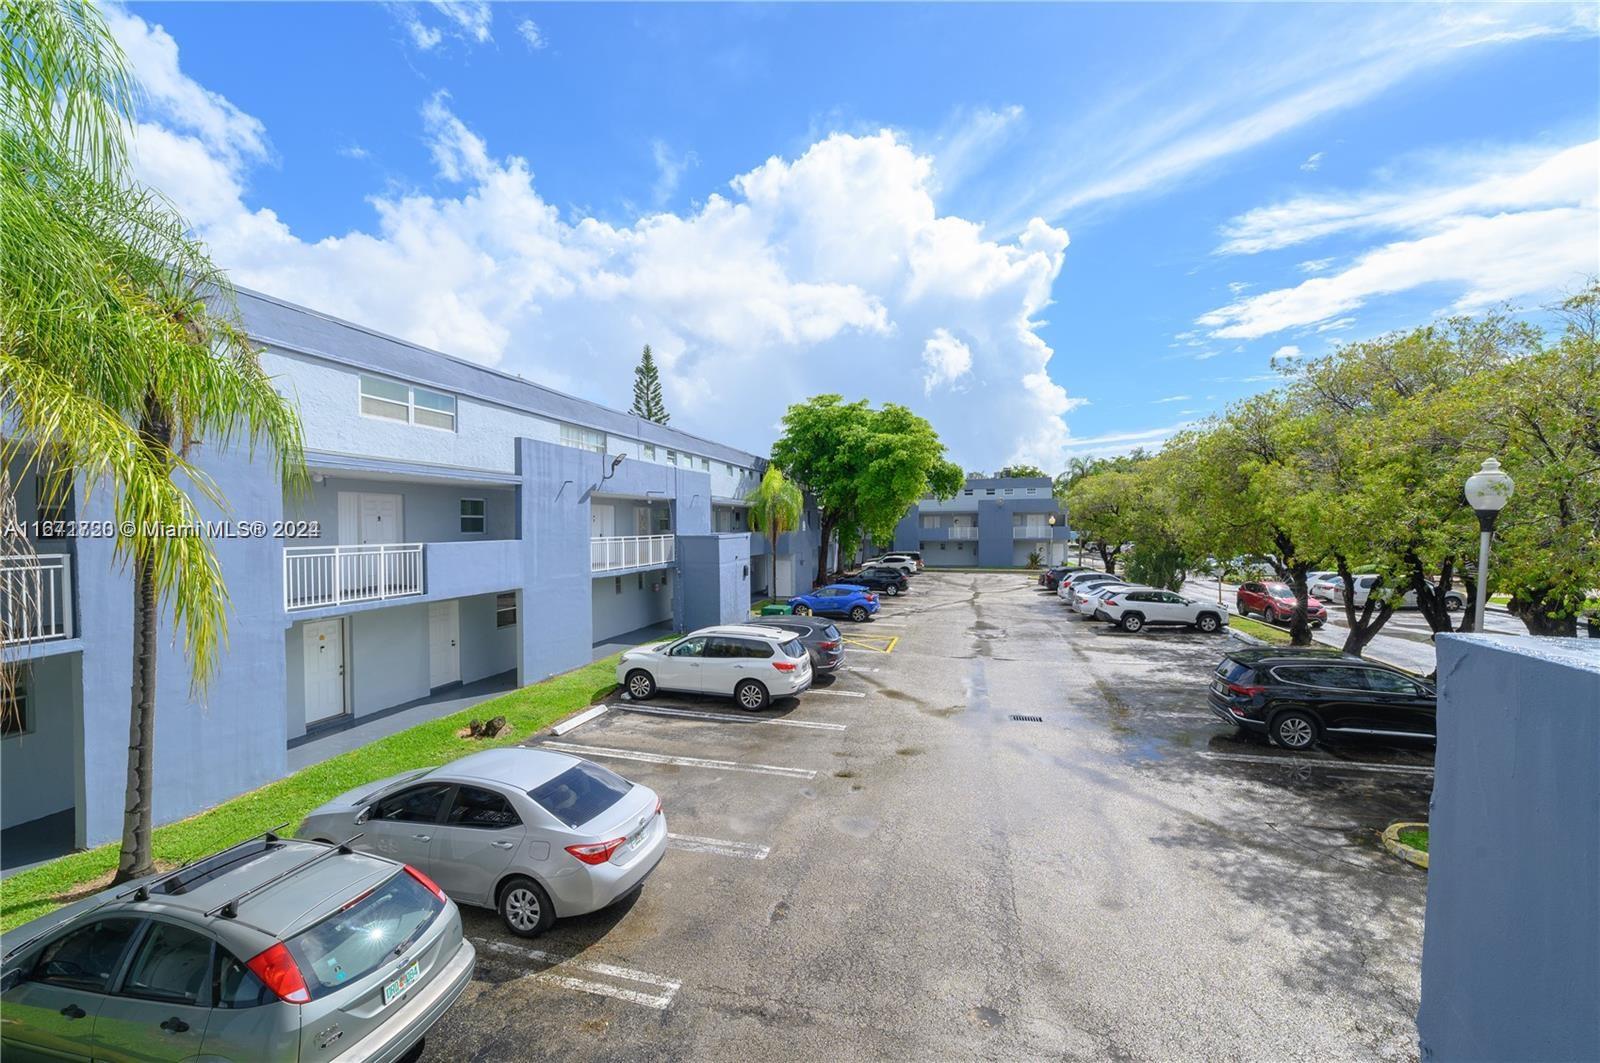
{"x": 1487, "y": 492}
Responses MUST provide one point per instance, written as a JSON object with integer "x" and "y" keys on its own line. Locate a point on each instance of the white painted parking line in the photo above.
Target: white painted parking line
{"x": 855, "y": 668}
{"x": 687, "y": 762}
{"x": 692, "y": 844}
{"x": 722, "y": 717}
{"x": 837, "y": 693}
{"x": 1317, "y": 762}
{"x": 659, "y": 1001}
{"x": 578, "y": 720}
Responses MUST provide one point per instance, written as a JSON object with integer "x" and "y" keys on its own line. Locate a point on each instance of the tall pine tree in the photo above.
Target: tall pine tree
{"x": 647, "y": 401}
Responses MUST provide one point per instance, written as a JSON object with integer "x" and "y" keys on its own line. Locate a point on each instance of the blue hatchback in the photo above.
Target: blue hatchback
{"x": 837, "y": 599}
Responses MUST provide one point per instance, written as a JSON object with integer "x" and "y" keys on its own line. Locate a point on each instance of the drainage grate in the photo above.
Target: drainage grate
{"x": 1027, "y": 719}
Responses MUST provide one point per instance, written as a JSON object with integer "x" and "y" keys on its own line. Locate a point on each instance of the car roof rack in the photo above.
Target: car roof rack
{"x": 230, "y": 909}
{"x": 141, "y": 892}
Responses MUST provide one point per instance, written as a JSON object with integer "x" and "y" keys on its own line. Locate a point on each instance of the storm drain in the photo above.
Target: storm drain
{"x": 1026, "y": 719}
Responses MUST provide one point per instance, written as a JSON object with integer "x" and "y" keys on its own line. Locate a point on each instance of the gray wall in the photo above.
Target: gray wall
{"x": 487, "y": 650}
{"x": 1511, "y": 949}
{"x": 388, "y": 657}
{"x": 40, "y": 766}
{"x": 715, "y": 588}
{"x": 613, "y": 613}
{"x": 430, "y": 512}
{"x": 962, "y": 554}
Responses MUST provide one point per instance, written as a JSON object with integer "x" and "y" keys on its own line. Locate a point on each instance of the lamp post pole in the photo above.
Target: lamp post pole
{"x": 1487, "y": 492}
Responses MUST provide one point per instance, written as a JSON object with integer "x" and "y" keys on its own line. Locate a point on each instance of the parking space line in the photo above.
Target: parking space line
{"x": 837, "y": 693}
{"x": 578, "y": 720}
{"x": 722, "y": 717}
{"x": 686, "y": 762}
{"x": 1317, "y": 762}
{"x": 692, "y": 844}
{"x": 887, "y": 647}
{"x": 610, "y": 970}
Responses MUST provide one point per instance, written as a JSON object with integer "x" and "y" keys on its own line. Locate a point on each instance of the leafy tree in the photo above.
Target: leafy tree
{"x": 1020, "y": 472}
{"x": 1102, "y": 509}
{"x": 647, "y": 400}
{"x": 775, "y": 508}
{"x": 119, "y": 346}
{"x": 1157, "y": 562}
{"x": 864, "y": 467}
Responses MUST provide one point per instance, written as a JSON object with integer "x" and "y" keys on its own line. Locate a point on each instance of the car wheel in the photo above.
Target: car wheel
{"x": 525, "y": 907}
{"x": 1453, "y": 603}
{"x": 751, "y": 695}
{"x": 641, "y": 685}
{"x": 1132, "y": 622}
{"x": 859, "y": 614}
{"x": 1294, "y": 730}
{"x": 891, "y": 590}
{"x": 1207, "y": 622}
{"x": 802, "y": 610}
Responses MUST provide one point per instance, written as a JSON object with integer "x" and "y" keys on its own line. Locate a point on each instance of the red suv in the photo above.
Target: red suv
{"x": 1275, "y": 602}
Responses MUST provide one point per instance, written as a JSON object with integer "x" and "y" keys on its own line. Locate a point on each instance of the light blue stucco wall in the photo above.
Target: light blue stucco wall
{"x": 486, "y": 650}
{"x": 40, "y": 765}
{"x": 1511, "y": 949}
{"x": 715, "y": 584}
{"x": 994, "y": 515}
{"x": 645, "y": 599}
{"x": 429, "y": 512}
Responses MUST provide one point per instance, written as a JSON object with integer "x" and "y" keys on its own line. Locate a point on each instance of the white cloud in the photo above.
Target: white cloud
{"x": 1314, "y": 265}
{"x": 669, "y": 170}
{"x": 1238, "y": 287}
{"x": 465, "y": 20}
{"x": 1313, "y": 163}
{"x": 1338, "y": 324}
{"x": 529, "y": 31}
{"x": 1174, "y": 398}
{"x": 1287, "y": 351}
{"x": 354, "y": 151}
{"x": 830, "y": 270}
{"x": 1111, "y": 443}
{"x": 946, "y": 358}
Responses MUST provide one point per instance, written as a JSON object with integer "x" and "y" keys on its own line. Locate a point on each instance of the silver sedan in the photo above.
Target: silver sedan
{"x": 532, "y": 833}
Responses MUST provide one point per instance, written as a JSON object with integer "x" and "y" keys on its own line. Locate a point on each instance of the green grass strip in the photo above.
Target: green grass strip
{"x": 33, "y": 893}
{"x": 1417, "y": 838}
{"x": 1265, "y": 632}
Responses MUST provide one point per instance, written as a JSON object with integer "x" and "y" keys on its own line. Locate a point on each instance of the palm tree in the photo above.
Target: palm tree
{"x": 775, "y": 507}
{"x": 120, "y": 347}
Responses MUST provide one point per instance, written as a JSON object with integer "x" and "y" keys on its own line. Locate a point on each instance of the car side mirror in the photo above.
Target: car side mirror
{"x": 364, "y": 815}
{"x": 11, "y": 979}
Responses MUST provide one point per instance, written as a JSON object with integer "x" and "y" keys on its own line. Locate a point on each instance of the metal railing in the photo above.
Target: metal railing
{"x": 938, "y": 533}
{"x": 36, "y": 598}
{"x": 1032, "y": 531}
{"x": 316, "y": 576}
{"x": 610, "y": 552}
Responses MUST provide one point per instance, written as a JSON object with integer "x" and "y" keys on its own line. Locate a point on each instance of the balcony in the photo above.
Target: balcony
{"x": 319, "y": 576}
{"x": 1033, "y": 531}
{"x": 36, "y": 598}
{"x": 952, "y": 533}
{"x": 612, "y": 553}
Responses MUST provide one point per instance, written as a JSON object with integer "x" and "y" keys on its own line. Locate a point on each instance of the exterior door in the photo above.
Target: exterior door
{"x": 323, "y": 649}
{"x": 380, "y": 518}
{"x": 785, "y": 588}
{"x": 475, "y": 843}
{"x": 602, "y": 520}
{"x": 641, "y": 521}
{"x": 444, "y": 637}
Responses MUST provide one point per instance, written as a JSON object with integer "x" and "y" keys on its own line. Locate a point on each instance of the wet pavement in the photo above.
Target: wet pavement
{"x": 895, "y": 865}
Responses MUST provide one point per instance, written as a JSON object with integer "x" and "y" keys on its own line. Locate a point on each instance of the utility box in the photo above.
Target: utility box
{"x": 776, "y": 610}
{"x": 1511, "y": 948}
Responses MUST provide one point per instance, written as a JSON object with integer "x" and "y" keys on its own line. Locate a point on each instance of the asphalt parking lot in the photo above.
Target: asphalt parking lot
{"x": 894, "y": 866}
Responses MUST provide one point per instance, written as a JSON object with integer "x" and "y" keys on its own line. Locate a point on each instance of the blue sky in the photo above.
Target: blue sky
{"x": 1054, "y": 230}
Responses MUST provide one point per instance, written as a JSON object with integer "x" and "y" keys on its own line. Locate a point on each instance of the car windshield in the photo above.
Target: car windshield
{"x": 580, "y": 793}
{"x": 357, "y": 940}
{"x": 1279, "y": 590}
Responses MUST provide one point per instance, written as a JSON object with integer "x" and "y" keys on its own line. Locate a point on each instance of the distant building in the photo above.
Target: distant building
{"x": 990, "y": 523}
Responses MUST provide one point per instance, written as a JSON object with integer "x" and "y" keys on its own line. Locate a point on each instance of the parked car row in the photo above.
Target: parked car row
{"x": 1132, "y": 607}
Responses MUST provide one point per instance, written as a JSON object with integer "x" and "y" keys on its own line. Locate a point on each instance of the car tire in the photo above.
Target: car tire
{"x": 641, "y": 685}
{"x": 859, "y": 614}
{"x": 802, "y": 610}
{"x": 1207, "y": 622}
{"x": 1454, "y": 603}
{"x": 525, "y": 907}
{"x": 1131, "y": 622}
{"x": 891, "y": 590}
{"x": 1294, "y": 729}
{"x": 751, "y": 696}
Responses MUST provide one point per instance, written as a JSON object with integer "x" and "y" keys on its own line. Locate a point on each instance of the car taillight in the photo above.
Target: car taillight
{"x": 872, "y": 597}
{"x": 783, "y": 666}
{"x": 1246, "y": 691}
{"x": 278, "y": 972}
{"x": 428, "y": 883}
{"x": 595, "y": 852}
{"x": 827, "y": 645}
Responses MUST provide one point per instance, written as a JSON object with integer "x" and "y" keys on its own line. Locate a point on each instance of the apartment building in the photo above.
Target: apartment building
{"x": 464, "y": 532}
{"x": 990, "y": 523}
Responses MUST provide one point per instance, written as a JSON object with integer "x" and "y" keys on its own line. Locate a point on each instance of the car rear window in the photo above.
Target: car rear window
{"x": 1232, "y": 671}
{"x": 581, "y": 793}
{"x": 361, "y": 937}
{"x": 830, "y": 632}
{"x": 793, "y": 648}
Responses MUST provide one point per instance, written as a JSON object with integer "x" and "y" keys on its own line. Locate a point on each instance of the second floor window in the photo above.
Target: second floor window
{"x": 649, "y": 452}
{"x": 583, "y": 438}
{"x": 672, "y": 457}
{"x": 705, "y": 463}
{"x": 472, "y": 516}
{"x": 394, "y": 401}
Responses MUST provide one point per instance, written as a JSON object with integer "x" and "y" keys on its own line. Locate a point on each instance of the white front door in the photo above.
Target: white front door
{"x": 602, "y": 520}
{"x": 444, "y": 634}
{"x": 370, "y": 518}
{"x": 323, "y": 642}
{"x": 785, "y": 588}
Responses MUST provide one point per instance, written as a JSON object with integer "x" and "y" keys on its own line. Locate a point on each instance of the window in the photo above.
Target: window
{"x": 649, "y": 452}
{"x": 356, "y": 940}
{"x": 1010, "y": 490}
{"x": 50, "y": 499}
{"x": 86, "y": 957}
{"x": 690, "y": 648}
{"x": 14, "y": 709}
{"x": 968, "y": 492}
{"x": 420, "y": 804}
{"x": 485, "y": 809}
{"x": 663, "y": 520}
{"x": 1384, "y": 682}
{"x": 641, "y": 581}
{"x": 581, "y": 793}
{"x": 391, "y": 400}
{"x": 672, "y": 457}
{"x": 505, "y": 609}
{"x": 705, "y": 463}
{"x": 171, "y": 965}
{"x": 472, "y": 515}
{"x": 583, "y": 438}
{"x": 619, "y": 584}
{"x": 988, "y": 490}
{"x": 235, "y": 986}
{"x": 930, "y": 521}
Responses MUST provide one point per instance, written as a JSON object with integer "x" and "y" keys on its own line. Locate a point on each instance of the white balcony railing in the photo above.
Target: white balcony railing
{"x": 961, "y": 532}
{"x": 1031, "y": 531}
{"x": 316, "y": 576}
{"x": 610, "y": 552}
{"x": 36, "y": 598}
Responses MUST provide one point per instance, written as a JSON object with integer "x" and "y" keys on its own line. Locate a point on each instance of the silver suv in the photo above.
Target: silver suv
{"x": 274, "y": 949}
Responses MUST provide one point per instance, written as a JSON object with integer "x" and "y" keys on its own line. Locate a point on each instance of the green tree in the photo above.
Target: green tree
{"x": 1101, "y": 509}
{"x": 1020, "y": 472}
{"x": 864, "y": 467}
{"x": 119, "y": 347}
{"x": 647, "y": 400}
{"x": 775, "y": 508}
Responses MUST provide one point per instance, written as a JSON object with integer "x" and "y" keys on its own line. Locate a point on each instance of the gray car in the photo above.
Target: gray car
{"x": 274, "y": 949}
{"x": 532, "y": 833}
{"x": 820, "y": 638}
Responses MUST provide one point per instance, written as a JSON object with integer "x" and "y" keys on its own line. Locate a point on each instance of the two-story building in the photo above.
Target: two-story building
{"x": 990, "y": 523}
{"x": 464, "y": 532}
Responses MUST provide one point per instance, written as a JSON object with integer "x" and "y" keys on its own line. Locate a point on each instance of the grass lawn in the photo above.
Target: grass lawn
{"x": 1417, "y": 838}
{"x": 31, "y": 894}
{"x": 1265, "y": 632}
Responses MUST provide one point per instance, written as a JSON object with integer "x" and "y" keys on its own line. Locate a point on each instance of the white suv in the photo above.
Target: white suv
{"x": 1132, "y": 608}
{"x": 750, "y": 664}
{"x": 904, "y": 562}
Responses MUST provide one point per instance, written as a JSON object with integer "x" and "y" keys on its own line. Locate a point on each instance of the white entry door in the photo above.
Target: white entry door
{"x": 323, "y": 642}
{"x": 370, "y": 518}
{"x": 602, "y": 520}
{"x": 444, "y": 633}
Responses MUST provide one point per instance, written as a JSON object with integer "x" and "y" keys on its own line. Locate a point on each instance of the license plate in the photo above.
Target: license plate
{"x": 1216, "y": 684}
{"x": 401, "y": 984}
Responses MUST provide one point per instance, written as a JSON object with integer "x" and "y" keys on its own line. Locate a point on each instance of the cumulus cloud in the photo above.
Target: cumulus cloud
{"x": 1287, "y": 351}
{"x": 829, "y": 270}
{"x": 465, "y": 20}
{"x": 946, "y": 358}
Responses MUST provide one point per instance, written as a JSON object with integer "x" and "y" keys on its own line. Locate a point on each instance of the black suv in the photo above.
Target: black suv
{"x": 890, "y": 581}
{"x": 1297, "y": 697}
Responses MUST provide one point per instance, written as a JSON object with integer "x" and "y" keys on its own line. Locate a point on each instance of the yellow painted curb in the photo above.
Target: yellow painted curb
{"x": 1392, "y": 842}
